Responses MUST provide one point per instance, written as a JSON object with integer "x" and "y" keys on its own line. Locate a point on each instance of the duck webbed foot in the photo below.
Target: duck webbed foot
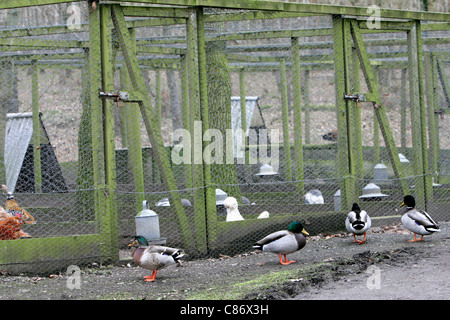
{"x": 415, "y": 239}
{"x": 286, "y": 261}
{"x": 151, "y": 277}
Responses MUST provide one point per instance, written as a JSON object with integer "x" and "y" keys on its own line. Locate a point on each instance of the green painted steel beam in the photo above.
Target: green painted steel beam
{"x": 109, "y": 220}
{"x": 132, "y": 119}
{"x": 287, "y": 158}
{"x": 380, "y": 111}
{"x": 69, "y": 248}
{"x": 28, "y": 42}
{"x": 39, "y": 31}
{"x": 342, "y": 162}
{"x": 36, "y": 126}
{"x": 433, "y": 117}
{"x": 253, "y": 15}
{"x": 210, "y": 192}
{"x": 167, "y": 12}
{"x": 160, "y": 50}
{"x": 96, "y": 120}
{"x": 155, "y": 22}
{"x": 353, "y": 117}
{"x": 304, "y": 8}
{"x": 152, "y": 126}
{"x": 9, "y": 4}
{"x": 270, "y": 34}
{"x": 297, "y": 112}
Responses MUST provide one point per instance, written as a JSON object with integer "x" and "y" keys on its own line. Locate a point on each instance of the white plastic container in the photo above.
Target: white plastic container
{"x": 147, "y": 223}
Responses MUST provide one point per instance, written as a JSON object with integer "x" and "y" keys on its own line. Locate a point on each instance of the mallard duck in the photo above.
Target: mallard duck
{"x": 358, "y": 222}
{"x": 231, "y": 205}
{"x": 154, "y": 257}
{"x": 417, "y": 221}
{"x": 284, "y": 242}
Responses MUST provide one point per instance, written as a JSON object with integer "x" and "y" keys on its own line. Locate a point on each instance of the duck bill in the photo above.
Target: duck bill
{"x": 402, "y": 204}
{"x": 305, "y": 233}
{"x": 132, "y": 244}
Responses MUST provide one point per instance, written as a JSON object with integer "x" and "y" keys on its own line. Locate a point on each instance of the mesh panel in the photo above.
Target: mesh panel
{"x": 294, "y": 116}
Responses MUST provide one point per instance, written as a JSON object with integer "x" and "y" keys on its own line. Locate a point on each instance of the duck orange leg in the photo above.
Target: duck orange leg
{"x": 360, "y": 241}
{"x": 415, "y": 239}
{"x": 363, "y": 240}
{"x": 151, "y": 277}
{"x": 286, "y": 261}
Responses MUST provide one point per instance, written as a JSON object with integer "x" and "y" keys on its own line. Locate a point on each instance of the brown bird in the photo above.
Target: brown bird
{"x": 15, "y": 211}
{"x": 9, "y": 226}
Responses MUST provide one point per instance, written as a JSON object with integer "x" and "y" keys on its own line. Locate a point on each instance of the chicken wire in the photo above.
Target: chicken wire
{"x": 243, "y": 58}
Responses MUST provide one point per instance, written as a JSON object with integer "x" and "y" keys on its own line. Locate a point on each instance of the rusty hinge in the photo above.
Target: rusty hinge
{"x": 119, "y": 96}
{"x": 358, "y": 97}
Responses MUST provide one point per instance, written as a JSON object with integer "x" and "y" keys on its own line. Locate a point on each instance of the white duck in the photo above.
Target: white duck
{"x": 233, "y": 213}
{"x": 358, "y": 222}
{"x": 417, "y": 221}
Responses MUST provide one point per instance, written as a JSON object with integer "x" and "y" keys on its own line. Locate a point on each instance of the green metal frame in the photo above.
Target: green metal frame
{"x": 111, "y": 16}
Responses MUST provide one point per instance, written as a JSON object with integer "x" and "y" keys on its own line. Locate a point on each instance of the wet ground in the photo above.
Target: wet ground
{"x": 329, "y": 267}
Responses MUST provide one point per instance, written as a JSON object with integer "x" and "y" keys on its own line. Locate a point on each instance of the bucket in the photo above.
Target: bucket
{"x": 147, "y": 223}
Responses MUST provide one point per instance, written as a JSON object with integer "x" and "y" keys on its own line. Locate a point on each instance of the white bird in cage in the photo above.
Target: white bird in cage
{"x": 358, "y": 222}
{"x": 314, "y": 197}
{"x": 231, "y": 206}
{"x": 233, "y": 213}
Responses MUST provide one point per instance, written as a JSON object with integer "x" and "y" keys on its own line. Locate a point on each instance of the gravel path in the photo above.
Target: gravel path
{"x": 329, "y": 267}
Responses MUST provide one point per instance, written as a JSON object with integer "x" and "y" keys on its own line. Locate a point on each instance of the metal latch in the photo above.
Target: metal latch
{"x": 358, "y": 97}
{"x": 119, "y": 96}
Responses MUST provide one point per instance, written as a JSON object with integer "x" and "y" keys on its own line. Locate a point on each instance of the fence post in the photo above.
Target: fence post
{"x": 380, "y": 111}
{"x": 285, "y": 120}
{"x": 152, "y": 126}
{"x": 110, "y": 221}
{"x": 297, "y": 106}
{"x": 210, "y": 192}
{"x": 341, "y": 107}
{"x": 433, "y": 118}
{"x": 132, "y": 129}
{"x": 36, "y": 126}
{"x": 95, "y": 82}
{"x": 417, "y": 118}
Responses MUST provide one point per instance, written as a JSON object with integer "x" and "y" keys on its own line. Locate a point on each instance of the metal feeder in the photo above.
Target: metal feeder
{"x": 372, "y": 192}
{"x": 147, "y": 225}
{"x": 380, "y": 173}
{"x": 337, "y": 200}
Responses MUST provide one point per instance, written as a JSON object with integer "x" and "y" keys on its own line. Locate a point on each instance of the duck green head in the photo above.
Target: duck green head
{"x": 140, "y": 241}
{"x": 297, "y": 227}
{"x": 356, "y": 208}
{"x": 408, "y": 201}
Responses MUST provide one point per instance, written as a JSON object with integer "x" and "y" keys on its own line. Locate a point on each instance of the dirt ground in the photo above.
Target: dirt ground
{"x": 329, "y": 267}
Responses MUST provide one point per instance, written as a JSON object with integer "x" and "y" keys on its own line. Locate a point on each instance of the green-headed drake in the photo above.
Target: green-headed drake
{"x": 417, "y": 221}
{"x": 284, "y": 242}
{"x": 154, "y": 257}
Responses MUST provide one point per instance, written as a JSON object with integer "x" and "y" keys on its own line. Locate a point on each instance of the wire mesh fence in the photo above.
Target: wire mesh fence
{"x": 296, "y": 116}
